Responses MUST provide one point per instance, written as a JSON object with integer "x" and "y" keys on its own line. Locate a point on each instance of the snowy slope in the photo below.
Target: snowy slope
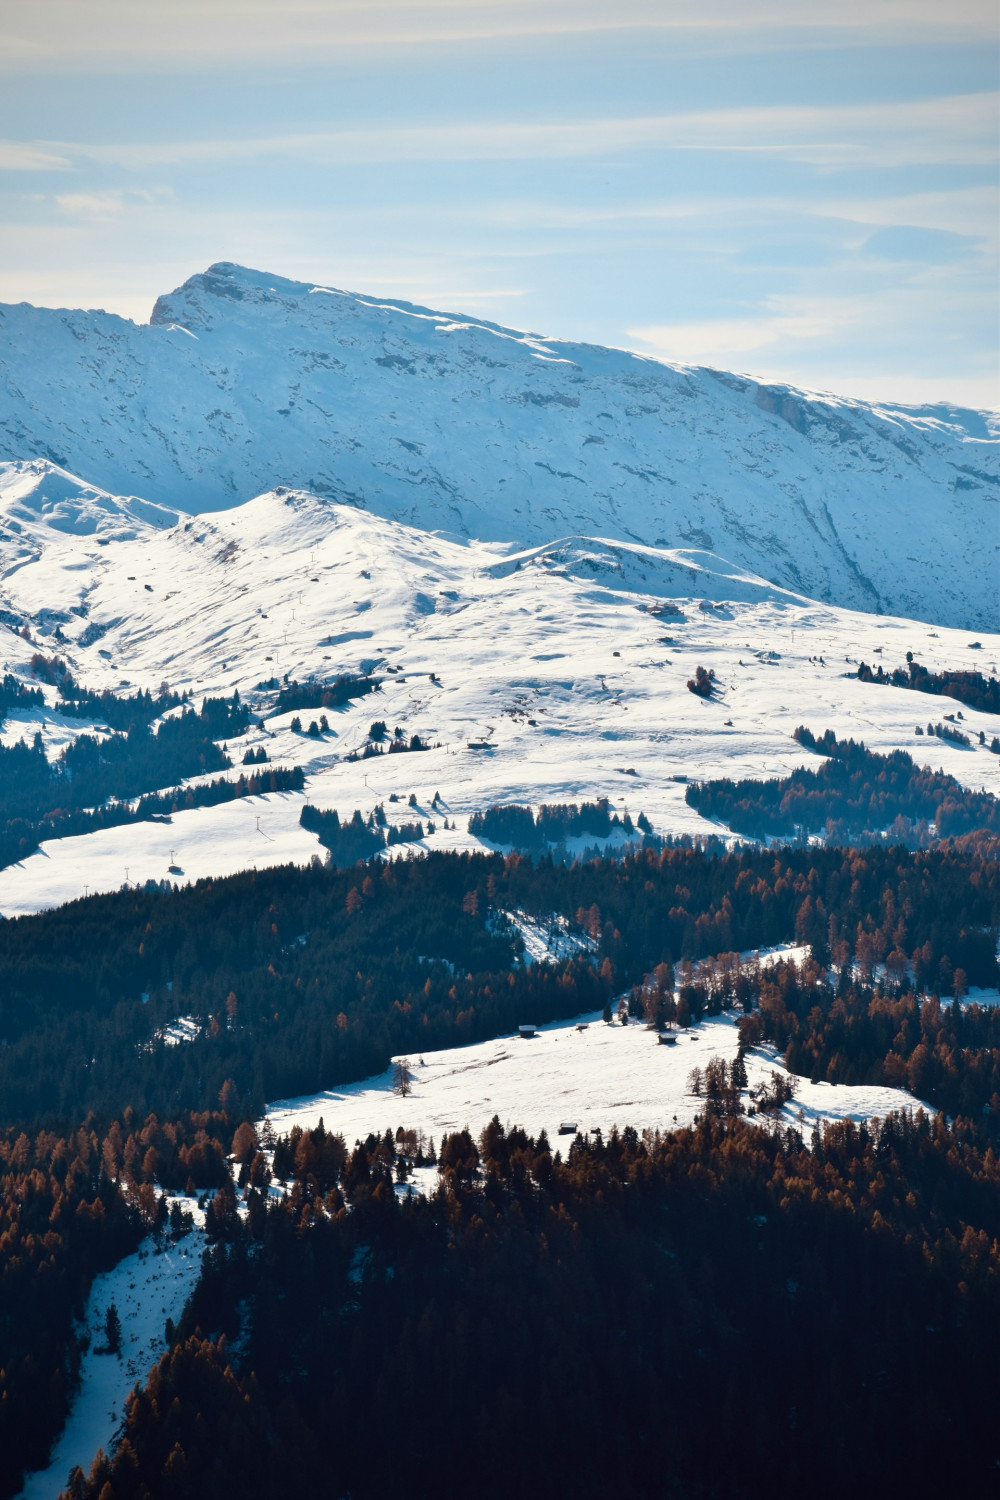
{"x": 147, "y": 1288}
{"x": 582, "y": 1073}
{"x": 570, "y": 662}
{"x": 245, "y": 380}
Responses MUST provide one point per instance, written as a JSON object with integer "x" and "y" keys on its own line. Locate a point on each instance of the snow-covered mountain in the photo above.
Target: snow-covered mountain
{"x": 552, "y": 674}
{"x": 532, "y": 546}
{"x": 244, "y": 381}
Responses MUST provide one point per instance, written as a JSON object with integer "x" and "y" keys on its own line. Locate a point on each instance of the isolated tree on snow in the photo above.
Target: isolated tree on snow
{"x": 402, "y": 1078}
{"x": 113, "y": 1329}
{"x": 702, "y": 683}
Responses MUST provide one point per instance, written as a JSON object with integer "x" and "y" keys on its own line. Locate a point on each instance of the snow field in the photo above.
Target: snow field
{"x": 255, "y": 832}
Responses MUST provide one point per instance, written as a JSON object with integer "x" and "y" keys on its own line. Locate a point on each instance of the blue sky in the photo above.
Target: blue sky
{"x": 806, "y": 192}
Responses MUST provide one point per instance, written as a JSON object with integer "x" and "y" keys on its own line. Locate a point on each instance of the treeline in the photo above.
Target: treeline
{"x": 952, "y": 733}
{"x": 93, "y": 780}
{"x": 19, "y": 837}
{"x": 970, "y": 688}
{"x": 858, "y": 1032}
{"x": 517, "y": 827}
{"x": 295, "y": 696}
{"x": 358, "y": 838}
{"x": 303, "y": 978}
{"x": 63, "y": 1219}
{"x": 582, "y": 1326}
{"x": 397, "y": 746}
{"x": 91, "y": 769}
{"x": 15, "y": 694}
{"x": 856, "y": 794}
{"x": 121, "y": 712}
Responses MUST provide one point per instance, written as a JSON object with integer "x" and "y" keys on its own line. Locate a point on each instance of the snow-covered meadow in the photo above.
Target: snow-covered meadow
{"x": 582, "y": 1073}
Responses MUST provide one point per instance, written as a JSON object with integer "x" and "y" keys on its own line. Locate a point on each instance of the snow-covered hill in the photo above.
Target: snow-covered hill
{"x": 244, "y": 381}
{"x": 566, "y": 664}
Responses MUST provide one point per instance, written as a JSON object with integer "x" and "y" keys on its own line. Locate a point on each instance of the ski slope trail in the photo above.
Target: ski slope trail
{"x": 147, "y": 1288}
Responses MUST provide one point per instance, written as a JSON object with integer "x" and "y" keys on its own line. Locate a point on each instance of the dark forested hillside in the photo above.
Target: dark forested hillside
{"x": 71, "y": 1206}
{"x": 719, "y": 1312}
{"x": 301, "y": 978}
{"x": 582, "y": 1325}
{"x": 63, "y": 1218}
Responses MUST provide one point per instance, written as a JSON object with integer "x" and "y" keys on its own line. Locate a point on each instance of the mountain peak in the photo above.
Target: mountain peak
{"x": 244, "y": 381}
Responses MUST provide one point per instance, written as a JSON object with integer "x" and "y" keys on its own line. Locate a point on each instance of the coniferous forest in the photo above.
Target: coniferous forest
{"x": 854, "y": 795}
{"x": 587, "y": 1319}
{"x": 297, "y": 977}
{"x": 970, "y": 688}
{"x": 718, "y": 1312}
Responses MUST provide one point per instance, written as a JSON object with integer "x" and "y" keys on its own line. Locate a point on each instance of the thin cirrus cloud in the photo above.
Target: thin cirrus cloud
{"x": 108, "y": 206}
{"x": 18, "y": 156}
{"x": 970, "y": 211}
{"x": 729, "y": 338}
{"x": 188, "y": 34}
{"x": 957, "y": 129}
{"x": 824, "y": 337}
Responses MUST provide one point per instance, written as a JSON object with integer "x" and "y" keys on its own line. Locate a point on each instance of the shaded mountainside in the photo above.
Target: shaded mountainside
{"x": 244, "y": 380}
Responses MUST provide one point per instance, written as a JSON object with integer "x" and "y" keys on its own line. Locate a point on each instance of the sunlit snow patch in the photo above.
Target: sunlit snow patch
{"x": 184, "y": 1029}
{"x": 549, "y": 941}
{"x": 582, "y": 1071}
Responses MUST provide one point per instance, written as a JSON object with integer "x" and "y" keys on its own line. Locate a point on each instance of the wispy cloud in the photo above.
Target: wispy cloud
{"x": 957, "y": 129}
{"x": 822, "y": 341}
{"x": 966, "y": 210}
{"x": 971, "y": 211}
{"x": 726, "y": 340}
{"x": 189, "y": 34}
{"x": 16, "y": 156}
{"x": 91, "y": 205}
{"x": 106, "y": 206}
